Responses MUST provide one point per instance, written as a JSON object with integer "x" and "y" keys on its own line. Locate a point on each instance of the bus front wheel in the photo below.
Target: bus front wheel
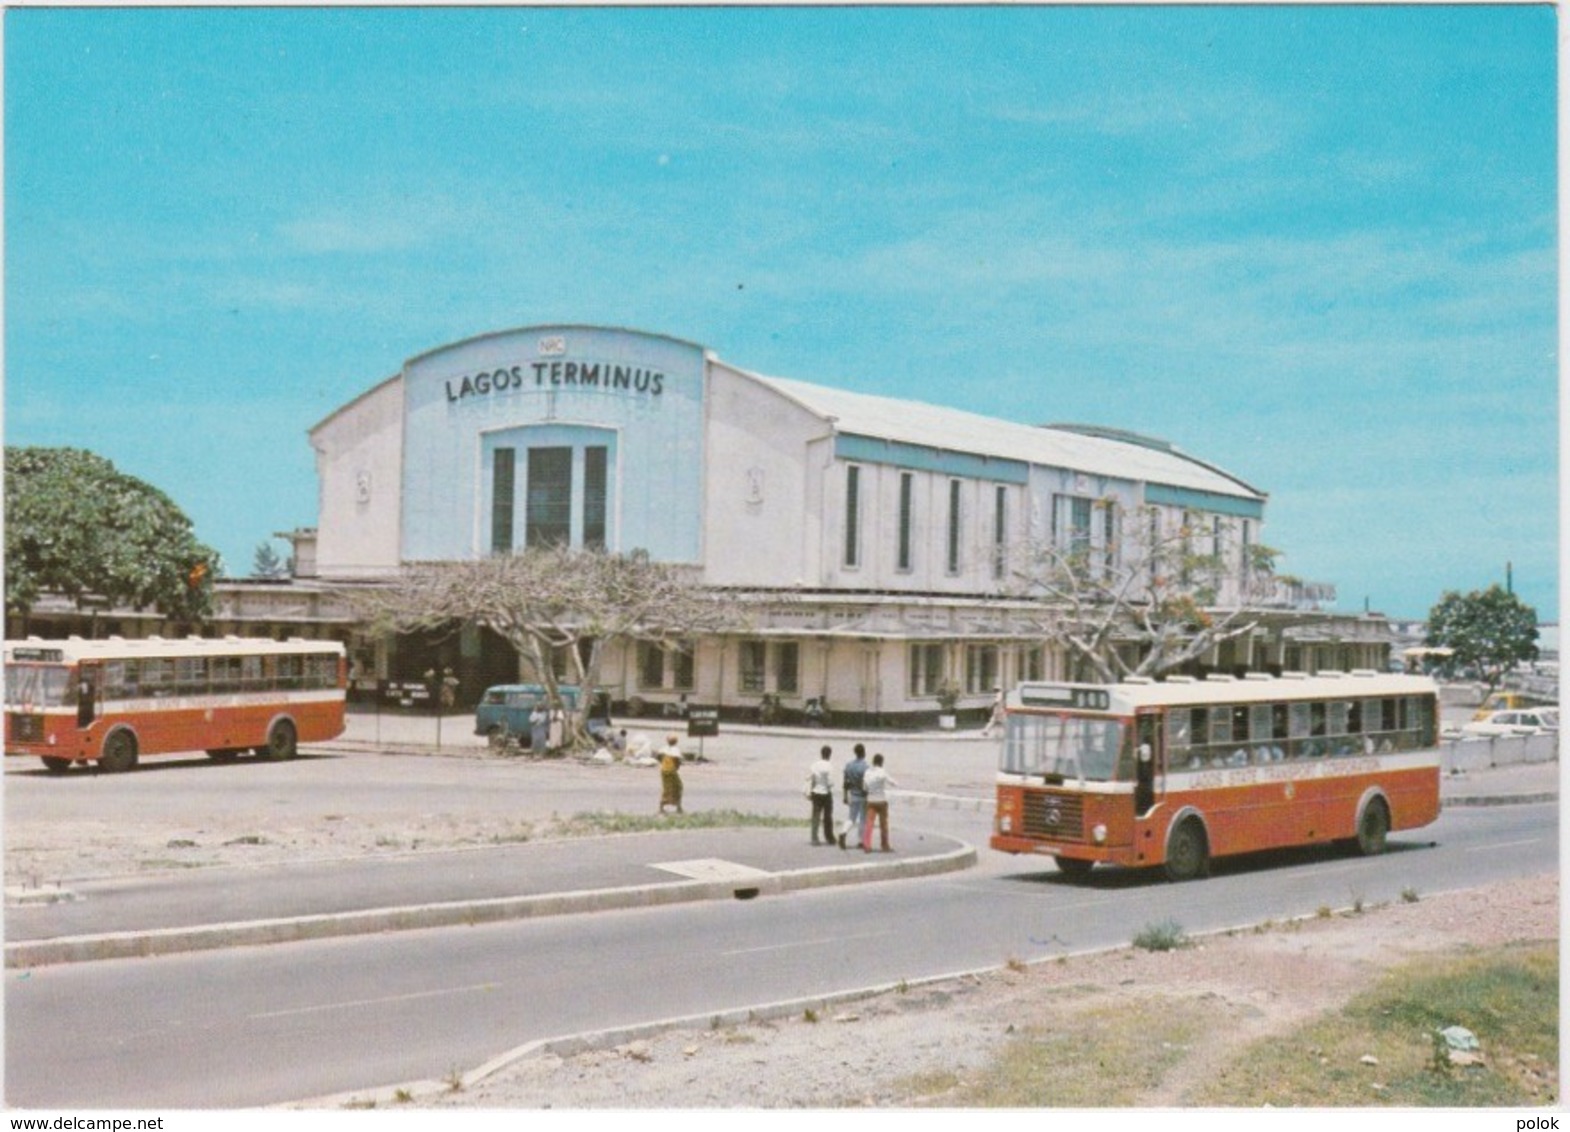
{"x": 119, "y": 753}
{"x": 1074, "y": 868}
{"x": 1188, "y": 858}
{"x": 1372, "y": 828}
{"x": 281, "y": 744}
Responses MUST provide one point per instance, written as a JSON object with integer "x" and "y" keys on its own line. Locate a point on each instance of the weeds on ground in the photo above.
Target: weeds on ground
{"x": 601, "y": 822}
{"x": 1165, "y": 936}
{"x": 1382, "y": 1048}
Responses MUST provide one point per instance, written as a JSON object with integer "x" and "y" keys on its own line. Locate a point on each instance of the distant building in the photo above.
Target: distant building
{"x": 882, "y": 523}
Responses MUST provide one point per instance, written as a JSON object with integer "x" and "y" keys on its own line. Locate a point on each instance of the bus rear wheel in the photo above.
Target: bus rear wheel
{"x": 1188, "y": 858}
{"x": 1372, "y": 829}
{"x": 119, "y": 753}
{"x": 56, "y": 765}
{"x": 281, "y": 743}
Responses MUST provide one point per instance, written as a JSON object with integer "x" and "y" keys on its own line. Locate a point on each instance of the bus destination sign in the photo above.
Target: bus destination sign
{"x": 1064, "y": 695}
{"x": 27, "y": 653}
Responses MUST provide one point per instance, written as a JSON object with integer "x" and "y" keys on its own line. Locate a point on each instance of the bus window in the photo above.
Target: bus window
{"x": 1063, "y": 747}
{"x": 37, "y": 685}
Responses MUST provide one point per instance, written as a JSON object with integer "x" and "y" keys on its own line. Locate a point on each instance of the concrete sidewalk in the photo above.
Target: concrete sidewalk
{"x": 237, "y": 906}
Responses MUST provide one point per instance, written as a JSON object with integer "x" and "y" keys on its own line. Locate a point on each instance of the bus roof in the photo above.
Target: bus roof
{"x": 73, "y": 649}
{"x": 1256, "y": 687}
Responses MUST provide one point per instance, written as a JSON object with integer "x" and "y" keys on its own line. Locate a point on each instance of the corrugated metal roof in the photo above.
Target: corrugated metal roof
{"x": 936, "y": 426}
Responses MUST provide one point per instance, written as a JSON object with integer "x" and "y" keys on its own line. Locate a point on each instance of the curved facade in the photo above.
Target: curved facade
{"x": 888, "y": 522}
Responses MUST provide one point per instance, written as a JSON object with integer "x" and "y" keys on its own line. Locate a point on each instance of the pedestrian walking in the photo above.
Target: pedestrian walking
{"x": 670, "y": 774}
{"x": 820, "y": 790}
{"x": 995, "y": 721}
{"x": 876, "y": 782}
{"x": 855, "y": 795}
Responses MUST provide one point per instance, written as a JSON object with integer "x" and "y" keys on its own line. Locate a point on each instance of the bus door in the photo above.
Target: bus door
{"x": 89, "y": 680}
{"x": 1147, "y": 754}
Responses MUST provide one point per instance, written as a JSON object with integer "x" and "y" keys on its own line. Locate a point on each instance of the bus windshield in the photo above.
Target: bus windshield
{"x": 36, "y": 684}
{"x": 1067, "y": 746}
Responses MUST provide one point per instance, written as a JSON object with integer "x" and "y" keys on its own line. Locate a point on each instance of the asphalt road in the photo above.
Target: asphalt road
{"x": 254, "y": 1026}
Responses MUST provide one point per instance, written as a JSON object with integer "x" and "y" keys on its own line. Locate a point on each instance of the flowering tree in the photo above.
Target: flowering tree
{"x": 76, "y": 526}
{"x": 1145, "y": 599}
{"x": 554, "y": 601}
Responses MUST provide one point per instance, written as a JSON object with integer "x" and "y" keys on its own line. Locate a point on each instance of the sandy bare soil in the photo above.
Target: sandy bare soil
{"x": 1254, "y": 983}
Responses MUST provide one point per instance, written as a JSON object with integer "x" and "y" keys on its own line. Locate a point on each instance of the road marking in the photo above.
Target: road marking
{"x": 1513, "y": 844}
{"x": 833, "y": 941}
{"x": 374, "y": 1001}
{"x": 710, "y": 868}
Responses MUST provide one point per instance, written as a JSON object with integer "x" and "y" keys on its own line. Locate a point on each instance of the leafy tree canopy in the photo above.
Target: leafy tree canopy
{"x": 1489, "y": 630}
{"x": 76, "y": 526}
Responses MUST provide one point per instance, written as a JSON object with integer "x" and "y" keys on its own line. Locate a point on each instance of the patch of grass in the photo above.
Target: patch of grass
{"x": 170, "y": 863}
{"x": 1508, "y": 997}
{"x": 1106, "y": 1057}
{"x": 1409, "y": 896}
{"x": 601, "y": 822}
{"x": 1165, "y": 936}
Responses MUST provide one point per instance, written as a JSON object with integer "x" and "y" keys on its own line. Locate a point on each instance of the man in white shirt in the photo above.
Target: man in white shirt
{"x": 820, "y": 788}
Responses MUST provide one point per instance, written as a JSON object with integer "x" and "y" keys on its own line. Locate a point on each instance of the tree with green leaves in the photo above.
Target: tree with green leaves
{"x": 1490, "y": 631}
{"x": 555, "y": 603}
{"x": 267, "y": 563}
{"x": 77, "y": 527}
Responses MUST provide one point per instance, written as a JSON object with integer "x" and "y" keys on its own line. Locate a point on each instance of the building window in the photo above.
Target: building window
{"x": 548, "y": 513}
{"x": 1033, "y": 663}
{"x": 954, "y": 532}
{"x": 981, "y": 668}
{"x": 651, "y": 665}
{"x": 853, "y": 516}
{"x": 926, "y": 669}
{"x": 753, "y": 657}
{"x": 1071, "y": 523}
{"x": 1000, "y": 517}
{"x": 503, "y": 465}
{"x": 682, "y": 656}
{"x": 907, "y": 491}
{"x": 595, "y": 492}
{"x": 787, "y": 668}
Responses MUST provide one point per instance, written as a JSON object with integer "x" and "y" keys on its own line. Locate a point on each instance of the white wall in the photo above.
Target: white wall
{"x": 359, "y": 469}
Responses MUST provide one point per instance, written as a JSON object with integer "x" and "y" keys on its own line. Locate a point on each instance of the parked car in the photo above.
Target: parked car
{"x": 1503, "y": 701}
{"x": 1528, "y": 721}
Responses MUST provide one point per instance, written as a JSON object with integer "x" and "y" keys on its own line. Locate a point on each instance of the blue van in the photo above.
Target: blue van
{"x": 503, "y": 712}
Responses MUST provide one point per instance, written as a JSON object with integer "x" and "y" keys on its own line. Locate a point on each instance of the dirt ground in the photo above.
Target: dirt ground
{"x": 1253, "y": 983}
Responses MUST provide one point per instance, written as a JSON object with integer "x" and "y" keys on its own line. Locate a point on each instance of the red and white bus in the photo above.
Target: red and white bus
{"x": 1177, "y": 772}
{"x": 113, "y": 701}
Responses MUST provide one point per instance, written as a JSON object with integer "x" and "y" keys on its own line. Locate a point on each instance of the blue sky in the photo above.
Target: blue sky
{"x": 1315, "y": 246}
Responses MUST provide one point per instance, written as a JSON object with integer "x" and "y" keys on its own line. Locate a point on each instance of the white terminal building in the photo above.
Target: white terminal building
{"x": 883, "y": 526}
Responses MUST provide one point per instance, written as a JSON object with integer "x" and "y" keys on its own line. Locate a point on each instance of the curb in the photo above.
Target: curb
{"x": 207, "y": 937}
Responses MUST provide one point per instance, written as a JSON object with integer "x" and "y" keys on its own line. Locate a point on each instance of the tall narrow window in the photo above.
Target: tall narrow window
{"x": 953, "y": 532}
{"x": 1109, "y": 536}
{"x": 787, "y": 667}
{"x": 503, "y": 465}
{"x": 1079, "y": 525}
{"x": 594, "y": 495}
{"x": 682, "y": 658}
{"x": 907, "y": 490}
{"x": 548, "y": 515}
{"x": 853, "y": 515}
{"x": 1000, "y": 517}
{"x": 752, "y": 657}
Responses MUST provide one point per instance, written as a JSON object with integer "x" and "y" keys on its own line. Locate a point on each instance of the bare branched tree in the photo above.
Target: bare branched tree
{"x": 552, "y": 602}
{"x": 1149, "y": 596}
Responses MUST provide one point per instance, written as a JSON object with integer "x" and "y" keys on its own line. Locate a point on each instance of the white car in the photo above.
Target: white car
{"x": 1521, "y": 721}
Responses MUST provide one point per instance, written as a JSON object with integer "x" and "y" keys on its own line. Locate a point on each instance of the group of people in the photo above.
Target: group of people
{"x": 863, "y": 789}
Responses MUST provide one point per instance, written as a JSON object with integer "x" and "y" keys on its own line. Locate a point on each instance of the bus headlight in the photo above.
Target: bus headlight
{"x": 1098, "y": 833}
{"x": 1005, "y": 823}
